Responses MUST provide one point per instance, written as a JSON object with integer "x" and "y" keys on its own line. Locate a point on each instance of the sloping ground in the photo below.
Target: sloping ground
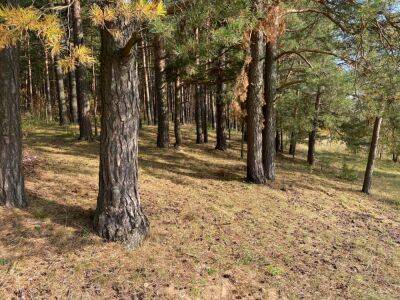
{"x": 213, "y": 236}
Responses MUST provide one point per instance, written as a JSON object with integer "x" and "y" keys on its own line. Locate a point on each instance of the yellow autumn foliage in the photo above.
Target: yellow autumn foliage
{"x": 15, "y": 22}
{"x": 78, "y": 55}
{"x": 141, "y": 9}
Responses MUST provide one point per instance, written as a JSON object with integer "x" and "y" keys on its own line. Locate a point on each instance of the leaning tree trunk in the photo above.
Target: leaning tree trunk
{"x": 11, "y": 180}
{"x": 255, "y": 101}
{"x": 371, "y": 157}
{"x": 269, "y": 112}
{"x": 161, "y": 92}
{"x": 119, "y": 216}
{"x": 177, "y": 115}
{"x": 85, "y": 126}
{"x": 62, "y": 106}
{"x": 313, "y": 134}
{"x": 220, "y": 108}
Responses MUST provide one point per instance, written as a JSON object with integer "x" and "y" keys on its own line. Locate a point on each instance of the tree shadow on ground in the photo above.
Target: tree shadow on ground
{"x": 45, "y": 226}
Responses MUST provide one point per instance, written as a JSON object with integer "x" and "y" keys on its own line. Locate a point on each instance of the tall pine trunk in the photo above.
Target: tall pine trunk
{"x": 85, "y": 126}
{"x": 177, "y": 115}
{"x": 146, "y": 85}
{"x": 197, "y": 112}
{"x": 161, "y": 92}
{"x": 221, "y": 107}
{"x": 11, "y": 180}
{"x": 29, "y": 102}
{"x": 204, "y": 115}
{"x": 119, "y": 216}
{"x": 269, "y": 112}
{"x": 73, "y": 100}
{"x": 48, "y": 87}
{"x": 293, "y": 142}
{"x": 255, "y": 101}
{"x": 62, "y": 106}
{"x": 313, "y": 134}
{"x": 371, "y": 156}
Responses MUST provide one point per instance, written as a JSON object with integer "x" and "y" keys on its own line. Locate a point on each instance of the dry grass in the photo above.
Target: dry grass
{"x": 213, "y": 236}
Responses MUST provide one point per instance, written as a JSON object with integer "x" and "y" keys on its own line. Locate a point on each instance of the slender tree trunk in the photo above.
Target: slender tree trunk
{"x": 277, "y": 141}
{"x": 293, "y": 142}
{"x": 146, "y": 85}
{"x": 95, "y": 96}
{"x": 269, "y": 112}
{"x": 255, "y": 102}
{"x": 212, "y": 110}
{"x": 85, "y": 126}
{"x": 161, "y": 92}
{"x": 177, "y": 115}
{"x": 62, "y": 107}
{"x": 12, "y": 191}
{"x": 48, "y": 86}
{"x": 313, "y": 134}
{"x": 221, "y": 108}
{"x": 119, "y": 216}
{"x": 29, "y": 103}
{"x": 204, "y": 116}
{"x": 371, "y": 157}
{"x": 73, "y": 102}
{"x": 197, "y": 109}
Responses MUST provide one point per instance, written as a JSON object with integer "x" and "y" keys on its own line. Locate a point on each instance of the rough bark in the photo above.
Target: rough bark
{"x": 161, "y": 92}
{"x": 85, "y": 126}
{"x": 255, "y": 102}
{"x": 72, "y": 97}
{"x": 177, "y": 115}
{"x": 220, "y": 108}
{"x": 62, "y": 107}
{"x": 313, "y": 134}
{"x": 119, "y": 216}
{"x": 269, "y": 112}
{"x": 11, "y": 179}
{"x": 371, "y": 156}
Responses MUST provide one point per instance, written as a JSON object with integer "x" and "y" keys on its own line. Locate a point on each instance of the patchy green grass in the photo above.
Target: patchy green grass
{"x": 310, "y": 234}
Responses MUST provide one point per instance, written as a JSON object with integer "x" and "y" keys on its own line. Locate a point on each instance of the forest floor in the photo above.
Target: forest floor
{"x": 309, "y": 235}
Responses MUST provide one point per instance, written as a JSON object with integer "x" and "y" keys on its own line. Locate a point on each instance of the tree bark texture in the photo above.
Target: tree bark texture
{"x": 161, "y": 92}
{"x": 221, "y": 108}
{"x": 269, "y": 112}
{"x": 11, "y": 179}
{"x": 119, "y": 216}
{"x": 255, "y": 102}
{"x": 85, "y": 126}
